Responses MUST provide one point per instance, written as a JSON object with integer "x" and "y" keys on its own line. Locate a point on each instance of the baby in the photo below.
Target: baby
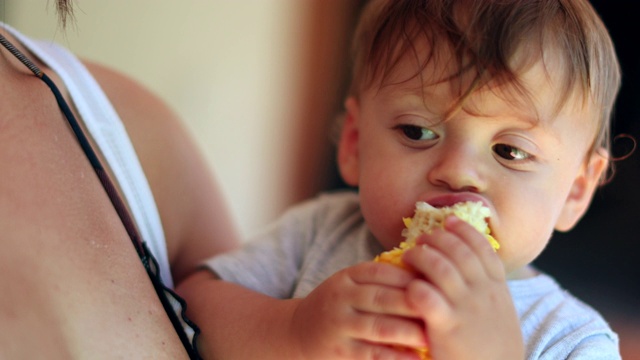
{"x": 505, "y": 103}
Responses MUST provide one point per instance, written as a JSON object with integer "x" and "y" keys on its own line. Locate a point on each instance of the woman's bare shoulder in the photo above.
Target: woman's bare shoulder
{"x": 195, "y": 217}
{"x": 67, "y": 261}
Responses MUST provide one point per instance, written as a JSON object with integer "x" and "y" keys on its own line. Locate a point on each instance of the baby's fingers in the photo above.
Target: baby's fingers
{"x": 383, "y": 300}
{"x": 368, "y": 351}
{"x": 479, "y": 245}
{"x": 380, "y": 289}
{"x": 388, "y": 330}
{"x": 433, "y": 261}
{"x": 380, "y": 274}
{"x": 429, "y": 302}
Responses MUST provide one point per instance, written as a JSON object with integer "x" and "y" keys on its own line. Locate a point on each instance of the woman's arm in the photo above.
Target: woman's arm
{"x": 193, "y": 210}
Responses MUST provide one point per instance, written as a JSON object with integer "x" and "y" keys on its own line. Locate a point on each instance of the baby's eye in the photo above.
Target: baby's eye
{"x": 509, "y": 152}
{"x": 417, "y": 133}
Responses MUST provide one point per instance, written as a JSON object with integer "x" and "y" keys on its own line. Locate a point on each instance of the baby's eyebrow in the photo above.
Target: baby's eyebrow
{"x": 525, "y": 120}
{"x": 417, "y": 99}
{"x": 533, "y": 121}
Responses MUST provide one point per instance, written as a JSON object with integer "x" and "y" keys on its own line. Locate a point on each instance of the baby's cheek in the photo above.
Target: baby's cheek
{"x": 383, "y": 224}
{"x": 391, "y": 239}
{"x": 524, "y": 245}
{"x": 383, "y": 203}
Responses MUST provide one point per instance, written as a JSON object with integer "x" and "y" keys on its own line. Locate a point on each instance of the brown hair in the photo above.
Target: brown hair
{"x": 492, "y": 41}
{"x": 64, "y": 9}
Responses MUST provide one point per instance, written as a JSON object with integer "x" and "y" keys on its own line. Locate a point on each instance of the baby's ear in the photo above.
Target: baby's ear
{"x": 348, "y": 144}
{"x": 582, "y": 190}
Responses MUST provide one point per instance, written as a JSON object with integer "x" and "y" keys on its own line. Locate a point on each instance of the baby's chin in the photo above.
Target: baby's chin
{"x": 389, "y": 244}
{"x": 517, "y": 258}
{"x": 387, "y": 234}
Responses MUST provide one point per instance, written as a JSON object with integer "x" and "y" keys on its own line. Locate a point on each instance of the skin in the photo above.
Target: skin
{"x": 530, "y": 165}
{"x": 464, "y": 158}
{"x": 74, "y": 287}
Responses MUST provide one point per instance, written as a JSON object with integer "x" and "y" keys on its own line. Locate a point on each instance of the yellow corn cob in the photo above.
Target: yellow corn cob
{"x": 427, "y": 218}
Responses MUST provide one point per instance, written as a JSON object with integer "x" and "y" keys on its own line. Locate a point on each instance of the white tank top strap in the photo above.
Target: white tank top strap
{"x": 106, "y": 128}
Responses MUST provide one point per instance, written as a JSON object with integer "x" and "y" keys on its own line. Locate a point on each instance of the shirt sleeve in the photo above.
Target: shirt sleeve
{"x": 556, "y": 325}
{"x": 598, "y": 346}
{"x": 270, "y": 261}
{"x": 580, "y": 334}
{"x": 582, "y": 341}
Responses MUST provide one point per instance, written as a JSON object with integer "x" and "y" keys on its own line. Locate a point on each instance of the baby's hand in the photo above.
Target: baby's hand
{"x": 463, "y": 297}
{"x": 357, "y": 313}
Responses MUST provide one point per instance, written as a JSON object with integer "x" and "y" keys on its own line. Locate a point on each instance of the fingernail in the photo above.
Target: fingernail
{"x": 451, "y": 220}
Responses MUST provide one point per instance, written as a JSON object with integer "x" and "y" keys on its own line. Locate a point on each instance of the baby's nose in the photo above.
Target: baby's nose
{"x": 459, "y": 168}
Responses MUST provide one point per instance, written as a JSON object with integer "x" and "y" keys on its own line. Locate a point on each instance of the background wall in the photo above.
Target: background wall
{"x": 230, "y": 69}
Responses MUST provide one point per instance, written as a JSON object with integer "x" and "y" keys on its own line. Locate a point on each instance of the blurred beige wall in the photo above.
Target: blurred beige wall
{"x": 227, "y": 67}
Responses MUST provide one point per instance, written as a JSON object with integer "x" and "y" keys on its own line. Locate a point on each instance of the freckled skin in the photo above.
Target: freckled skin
{"x": 70, "y": 270}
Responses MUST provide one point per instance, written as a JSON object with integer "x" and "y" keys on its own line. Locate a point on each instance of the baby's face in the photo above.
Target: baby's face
{"x": 527, "y": 164}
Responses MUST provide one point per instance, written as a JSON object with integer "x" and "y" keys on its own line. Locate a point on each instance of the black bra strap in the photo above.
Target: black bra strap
{"x": 146, "y": 257}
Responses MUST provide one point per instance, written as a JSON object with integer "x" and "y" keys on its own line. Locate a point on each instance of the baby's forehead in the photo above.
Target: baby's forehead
{"x": 534, "y": 93}
{"x": 480, "y": 42}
